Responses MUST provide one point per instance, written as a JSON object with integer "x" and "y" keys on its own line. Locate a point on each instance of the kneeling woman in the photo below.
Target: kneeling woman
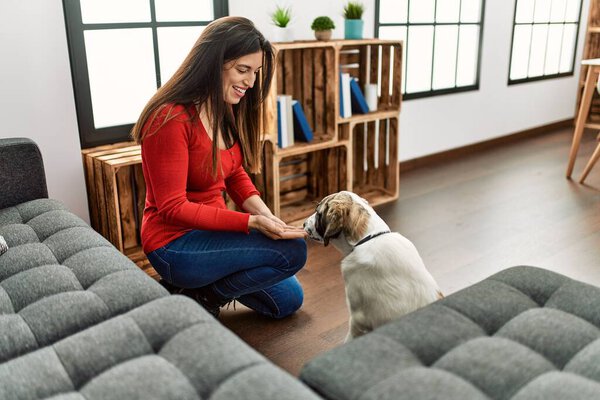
{"x": 198, "y": 134}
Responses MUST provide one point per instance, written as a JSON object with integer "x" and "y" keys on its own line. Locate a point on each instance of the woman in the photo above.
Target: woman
{"x": 197, "y": 133}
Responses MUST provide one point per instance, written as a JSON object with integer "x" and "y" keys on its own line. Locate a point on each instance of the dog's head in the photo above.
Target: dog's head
{"x": 343, "y": 213}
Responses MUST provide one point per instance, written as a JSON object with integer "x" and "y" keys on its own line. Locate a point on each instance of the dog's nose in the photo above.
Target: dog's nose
{"x": 304, "y": 225}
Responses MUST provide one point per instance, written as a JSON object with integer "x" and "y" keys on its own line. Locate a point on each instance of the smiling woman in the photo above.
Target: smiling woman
{"x": 199, "y": 133}
{"x": 239, "y": 75}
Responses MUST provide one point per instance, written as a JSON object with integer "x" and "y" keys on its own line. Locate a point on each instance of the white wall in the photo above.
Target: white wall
{"x": 36, "y": 93}
{"x": 435, "y": 124}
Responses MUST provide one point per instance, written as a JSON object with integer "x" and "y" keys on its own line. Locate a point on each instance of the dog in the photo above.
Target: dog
{"x": 383, "y": 272}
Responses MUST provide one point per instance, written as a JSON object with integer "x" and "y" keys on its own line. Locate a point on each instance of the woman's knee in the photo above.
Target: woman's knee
{"x": 293, "y": 301}
{"x": 295, "y": 253}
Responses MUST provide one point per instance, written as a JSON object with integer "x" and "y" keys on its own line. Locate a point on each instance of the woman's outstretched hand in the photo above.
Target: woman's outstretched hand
{"x": 273, "y": 227}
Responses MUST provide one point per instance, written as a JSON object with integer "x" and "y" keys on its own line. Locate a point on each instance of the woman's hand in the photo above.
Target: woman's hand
{"x": 273, "y": 227}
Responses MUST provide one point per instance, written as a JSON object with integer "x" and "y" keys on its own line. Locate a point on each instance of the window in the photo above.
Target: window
{"x": 544, "y": 39}
{"x": 442, "y": 40}
{"x": 122, "y": 51}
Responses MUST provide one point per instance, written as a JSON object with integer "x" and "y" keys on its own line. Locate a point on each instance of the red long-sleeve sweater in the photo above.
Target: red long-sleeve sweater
{"x": 181, "y": 193}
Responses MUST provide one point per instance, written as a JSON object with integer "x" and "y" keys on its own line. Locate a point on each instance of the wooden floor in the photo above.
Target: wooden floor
{"x": 469, "y": 218}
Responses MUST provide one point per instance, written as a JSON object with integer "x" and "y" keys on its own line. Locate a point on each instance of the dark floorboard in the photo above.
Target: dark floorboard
{"x": 469, "y": 218}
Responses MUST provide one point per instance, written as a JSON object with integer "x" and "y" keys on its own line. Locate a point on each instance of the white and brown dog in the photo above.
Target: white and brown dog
{"x": 384, "y": 275}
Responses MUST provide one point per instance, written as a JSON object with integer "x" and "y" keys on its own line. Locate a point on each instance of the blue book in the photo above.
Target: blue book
{"x": 359, "y": 104}
{"x": 302, "y": 131}
{"x": 341, "y": 97}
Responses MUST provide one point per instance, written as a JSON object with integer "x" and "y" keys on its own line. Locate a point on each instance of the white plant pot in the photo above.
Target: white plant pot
{"x": 282, "y": 34}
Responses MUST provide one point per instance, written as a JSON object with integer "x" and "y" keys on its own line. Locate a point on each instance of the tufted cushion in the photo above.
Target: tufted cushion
{"x": 524, "y": 333}
{"x": 168, "y": 348}
{"x": 49, "y": 286}
{"x": 78, "y": 320}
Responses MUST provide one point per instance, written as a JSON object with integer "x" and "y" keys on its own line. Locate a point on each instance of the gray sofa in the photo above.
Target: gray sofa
{"x": 78, "y": 320}
{"x": 524, "y": 333}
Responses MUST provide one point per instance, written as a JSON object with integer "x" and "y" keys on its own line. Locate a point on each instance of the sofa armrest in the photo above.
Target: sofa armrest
{"x": 22, "y": 176}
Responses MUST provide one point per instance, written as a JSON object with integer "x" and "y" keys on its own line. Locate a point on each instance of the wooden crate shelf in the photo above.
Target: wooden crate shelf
{"x": 309, "y": 72}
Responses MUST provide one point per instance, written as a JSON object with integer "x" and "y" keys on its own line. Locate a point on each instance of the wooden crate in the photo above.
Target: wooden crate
{"x": 116, "y": 196}
{"x": 304, "y": 179}
{"x": 305, "y": 73}
{"x": 377, "y": 63}
{"x": 376, "y": 169}
{"x": 295, "y": 178}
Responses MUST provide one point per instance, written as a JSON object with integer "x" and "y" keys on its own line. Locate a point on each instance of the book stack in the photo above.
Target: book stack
{"x": 292, "y": 124}
{"x": 352, "y": 99}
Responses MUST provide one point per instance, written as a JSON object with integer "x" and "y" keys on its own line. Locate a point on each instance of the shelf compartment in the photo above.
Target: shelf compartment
{"x": 379, "y": 63}
{"x": 375, "y": 155}
{"x": 307, "y": 76}
{"x": 304, "y": 179}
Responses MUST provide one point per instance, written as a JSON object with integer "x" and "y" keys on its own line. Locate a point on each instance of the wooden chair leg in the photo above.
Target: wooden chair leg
{"x": 584, "y": 108}
{"x": 590, "y": 163}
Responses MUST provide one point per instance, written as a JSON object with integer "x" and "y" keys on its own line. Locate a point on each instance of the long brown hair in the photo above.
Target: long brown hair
{"x": 198, "y": 81}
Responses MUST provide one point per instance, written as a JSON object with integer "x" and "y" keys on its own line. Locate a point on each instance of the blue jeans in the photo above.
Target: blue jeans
{"x": 251, "y": 268}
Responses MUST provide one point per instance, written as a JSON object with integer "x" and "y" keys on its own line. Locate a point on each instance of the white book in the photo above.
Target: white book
{"x": 289, "y": 117}
{"x": 286, "y": 122}
{"x": 346, "y": 101}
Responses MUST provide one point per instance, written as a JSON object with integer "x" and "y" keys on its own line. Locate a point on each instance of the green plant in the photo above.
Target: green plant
{"x": 322, "y": 24}
{"x": 281, "y": 16}
{"x": 353, "y": 10}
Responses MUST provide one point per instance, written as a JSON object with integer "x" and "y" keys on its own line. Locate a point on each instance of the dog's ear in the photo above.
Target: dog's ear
{"x": 335, "y": 215}
{"x": 360, "y": 221}
{"x": 333, "y": 228}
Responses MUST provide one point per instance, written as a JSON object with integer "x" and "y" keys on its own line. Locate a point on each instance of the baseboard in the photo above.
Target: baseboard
{"x": 458, "y": 152}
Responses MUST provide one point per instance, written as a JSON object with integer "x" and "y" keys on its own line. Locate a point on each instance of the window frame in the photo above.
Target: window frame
{"x": 436, "y": 92}
{"x": 541, "y": 77}
{"x": 89, "y": 135}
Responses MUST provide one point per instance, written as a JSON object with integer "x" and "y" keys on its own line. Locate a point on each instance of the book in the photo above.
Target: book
{"x": 341, "y": 96}
{"x": 365, "y": 147}
{"x": 345, "y": 101}
{"x": 359, "y": 103}
{"x": 302, "y": 131}
{"x": 376, "y": 146}
{"x": 285, "y": 123}
{"x": 281, "y": 136}
{"x": 387, "y": 142}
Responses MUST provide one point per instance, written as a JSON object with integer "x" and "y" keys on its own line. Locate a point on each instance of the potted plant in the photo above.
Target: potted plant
{"x": 322, "y": 26}
{"x": 353, "y": 23}
{"x": 281, "y": 18}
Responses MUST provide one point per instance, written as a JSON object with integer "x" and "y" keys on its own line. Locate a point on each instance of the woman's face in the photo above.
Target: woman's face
{"x": 239, "y": 75}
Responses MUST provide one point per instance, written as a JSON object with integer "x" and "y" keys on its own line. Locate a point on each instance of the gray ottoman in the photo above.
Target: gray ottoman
{"x": 524, "y": 333}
